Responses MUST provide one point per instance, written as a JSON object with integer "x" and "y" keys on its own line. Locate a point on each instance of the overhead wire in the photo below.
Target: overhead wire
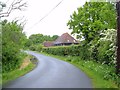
{"x": 6, "y": 1}
{"x": 46, "y": 15}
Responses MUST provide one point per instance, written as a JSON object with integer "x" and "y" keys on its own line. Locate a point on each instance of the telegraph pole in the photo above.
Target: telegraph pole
{"x": 118, "y": 37}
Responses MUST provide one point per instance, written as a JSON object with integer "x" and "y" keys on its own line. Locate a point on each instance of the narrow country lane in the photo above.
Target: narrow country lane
{"x": 51, "y": 73}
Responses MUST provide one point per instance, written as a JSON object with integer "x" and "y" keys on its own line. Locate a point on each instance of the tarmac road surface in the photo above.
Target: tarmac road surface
{"x": 51, "y": 73}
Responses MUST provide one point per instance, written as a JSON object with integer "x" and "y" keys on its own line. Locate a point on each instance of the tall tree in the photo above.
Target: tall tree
{"x": 40, "y": 38}
{"x": 89, "y": 20}
{"x": 36, "y": 38}
{"x": 54, "y": 37}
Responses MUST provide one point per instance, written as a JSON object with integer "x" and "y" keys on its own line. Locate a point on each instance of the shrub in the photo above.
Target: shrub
{"x": 73, "y": 50}
{"x": 37, "y": 47}
{"x": 104, "y": 49}
{"x": 12, "y": 39}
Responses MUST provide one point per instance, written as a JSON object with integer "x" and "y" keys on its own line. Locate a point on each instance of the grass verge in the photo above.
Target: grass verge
{"x": 96, "y": 72}
{"x": 6, "y": 77}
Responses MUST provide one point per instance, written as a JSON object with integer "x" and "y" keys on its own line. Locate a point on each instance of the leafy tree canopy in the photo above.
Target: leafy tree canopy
{"x": 12, "y": 41}
{"x": 40, "y": 38}
{"x": 88, "y": 21}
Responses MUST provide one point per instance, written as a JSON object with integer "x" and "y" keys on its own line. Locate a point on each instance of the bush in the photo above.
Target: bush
{"x": 32, "y": 47}
{"x": 12, "y": 39}
{"x": 73, "y": 50}
{"x": 104, "y": 49}
{"x": 36, "y": 47}
{"x": 39, "y": 47}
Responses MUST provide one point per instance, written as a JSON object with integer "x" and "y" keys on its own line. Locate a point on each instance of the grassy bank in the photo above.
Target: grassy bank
{"x": 99, "y": 74}
{"x": 26, "y": 67}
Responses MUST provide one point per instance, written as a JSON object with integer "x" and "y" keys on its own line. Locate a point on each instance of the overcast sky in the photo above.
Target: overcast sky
{"x": 54, "y": 23}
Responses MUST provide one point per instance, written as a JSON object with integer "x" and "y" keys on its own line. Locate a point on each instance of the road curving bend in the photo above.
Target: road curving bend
{"x": 51, "y": 73}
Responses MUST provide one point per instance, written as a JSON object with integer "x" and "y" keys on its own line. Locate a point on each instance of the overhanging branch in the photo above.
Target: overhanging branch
{"x": 15, "y": 5}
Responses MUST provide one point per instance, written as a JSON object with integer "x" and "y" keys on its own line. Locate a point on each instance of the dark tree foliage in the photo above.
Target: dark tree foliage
{"x": 12, "y": 42}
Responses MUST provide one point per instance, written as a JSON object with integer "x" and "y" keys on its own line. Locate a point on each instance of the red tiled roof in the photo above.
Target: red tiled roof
{"x": 48, "y": 43}
{"x": 65, "y": 38}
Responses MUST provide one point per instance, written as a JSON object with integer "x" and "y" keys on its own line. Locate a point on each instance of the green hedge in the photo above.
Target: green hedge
{"x": 73, "y": 50}
{"x": 84, "y": 52}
